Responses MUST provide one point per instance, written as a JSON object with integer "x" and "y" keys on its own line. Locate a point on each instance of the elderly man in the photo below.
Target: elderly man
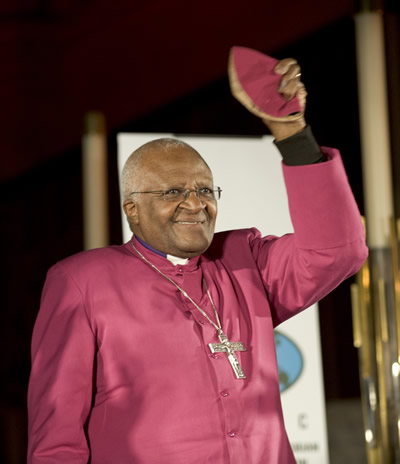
{"x": 162, "y": 350}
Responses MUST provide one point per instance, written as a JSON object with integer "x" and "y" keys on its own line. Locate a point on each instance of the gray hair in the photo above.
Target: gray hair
{"x": 132, "y": 171}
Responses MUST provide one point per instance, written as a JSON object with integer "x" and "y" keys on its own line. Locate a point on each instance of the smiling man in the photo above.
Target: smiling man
{"x": 162, "y": 350}
{"x": 183, "y": 222}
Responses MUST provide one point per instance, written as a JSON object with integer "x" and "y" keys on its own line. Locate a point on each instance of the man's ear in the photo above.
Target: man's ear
{"x": 131, "y": 211}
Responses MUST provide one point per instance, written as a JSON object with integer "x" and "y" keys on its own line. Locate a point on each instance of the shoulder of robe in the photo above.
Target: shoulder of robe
{"x": 94, "y": 260}
{"x": 232, "y": 241}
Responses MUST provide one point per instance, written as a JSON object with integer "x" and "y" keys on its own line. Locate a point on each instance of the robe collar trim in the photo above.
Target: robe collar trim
{"x": 160, "y": 259}
{"x": 174, "y": 259}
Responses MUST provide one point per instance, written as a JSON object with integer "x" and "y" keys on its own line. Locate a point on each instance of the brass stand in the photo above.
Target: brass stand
{"x": 376, "y": 327}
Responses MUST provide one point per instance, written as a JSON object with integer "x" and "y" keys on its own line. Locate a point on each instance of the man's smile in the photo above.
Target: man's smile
{"x": 189, "y": 222}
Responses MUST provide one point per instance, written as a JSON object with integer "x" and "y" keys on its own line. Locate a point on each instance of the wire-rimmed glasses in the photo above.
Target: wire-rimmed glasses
{"x": 181, "y": 194}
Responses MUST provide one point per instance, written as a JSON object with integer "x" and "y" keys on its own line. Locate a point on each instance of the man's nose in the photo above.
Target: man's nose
{"x": 192, "y": 200}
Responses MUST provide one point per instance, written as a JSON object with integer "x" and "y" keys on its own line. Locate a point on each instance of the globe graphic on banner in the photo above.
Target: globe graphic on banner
{"x": 290, "y": 361}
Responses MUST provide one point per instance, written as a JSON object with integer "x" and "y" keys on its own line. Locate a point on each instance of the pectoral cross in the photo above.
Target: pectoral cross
{"x": 229, "y": 348}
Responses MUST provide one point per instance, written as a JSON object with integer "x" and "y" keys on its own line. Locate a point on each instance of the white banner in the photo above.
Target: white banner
{"x": 249, "y": 172}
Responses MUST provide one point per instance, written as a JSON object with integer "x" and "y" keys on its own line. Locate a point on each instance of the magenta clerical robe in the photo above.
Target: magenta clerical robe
{"x": 122, "y": 371}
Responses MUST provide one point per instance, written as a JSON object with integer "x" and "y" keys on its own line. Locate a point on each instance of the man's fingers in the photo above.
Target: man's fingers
{"x": 291, "y": 88}
{"x": 302, "y": 96}
{"x": 292, "y": 74}
{"x": 290, "y": 84}
{"x": 283, "y": 66}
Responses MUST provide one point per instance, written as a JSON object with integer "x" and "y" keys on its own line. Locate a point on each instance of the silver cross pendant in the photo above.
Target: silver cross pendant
{"x": 229, "y": 348}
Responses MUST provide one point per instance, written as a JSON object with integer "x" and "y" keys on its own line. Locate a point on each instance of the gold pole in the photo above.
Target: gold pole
{"x": 382, "y": 338}
{"x": 394, "y": 242}
{"x": 395, "y": 239}
{"x": 364, "y": 340}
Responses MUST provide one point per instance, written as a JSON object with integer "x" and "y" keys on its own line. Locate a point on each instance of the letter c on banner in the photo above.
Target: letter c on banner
{"x": 302, "y": 421}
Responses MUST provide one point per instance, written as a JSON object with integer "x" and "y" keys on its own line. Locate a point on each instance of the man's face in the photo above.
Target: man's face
{"x": 183, "y": 228}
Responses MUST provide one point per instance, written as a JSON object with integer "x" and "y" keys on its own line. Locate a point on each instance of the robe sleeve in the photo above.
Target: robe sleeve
{"x": 60, "y": 387}
{"x": 328, "y": 244}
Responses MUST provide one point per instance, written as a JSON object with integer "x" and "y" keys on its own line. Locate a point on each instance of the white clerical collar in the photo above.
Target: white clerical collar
{"x": 176, "y": 260}
{"x": 173, "y": 259}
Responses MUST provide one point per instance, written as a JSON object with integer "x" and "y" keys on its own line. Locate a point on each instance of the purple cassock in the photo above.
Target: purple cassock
{"x": 122, "y": 370}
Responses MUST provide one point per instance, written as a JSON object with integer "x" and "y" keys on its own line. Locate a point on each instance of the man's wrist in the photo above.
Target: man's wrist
{"x": 284, "y": 129}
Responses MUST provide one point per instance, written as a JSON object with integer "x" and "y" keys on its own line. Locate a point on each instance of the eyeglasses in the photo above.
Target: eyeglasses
{"x": 180, "y": 194}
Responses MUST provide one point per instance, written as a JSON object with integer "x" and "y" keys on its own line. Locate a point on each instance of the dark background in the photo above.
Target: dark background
{"x": 150, "y": 66}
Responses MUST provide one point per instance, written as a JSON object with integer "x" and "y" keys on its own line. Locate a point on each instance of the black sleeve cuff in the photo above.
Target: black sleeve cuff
{"x": 300, "y": 149}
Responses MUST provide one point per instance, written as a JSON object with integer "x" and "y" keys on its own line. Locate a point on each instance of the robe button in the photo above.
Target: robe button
{"x": 214, "y": 356}
{"x": 224, "y": 394}
{"x": 232, "y": 434}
